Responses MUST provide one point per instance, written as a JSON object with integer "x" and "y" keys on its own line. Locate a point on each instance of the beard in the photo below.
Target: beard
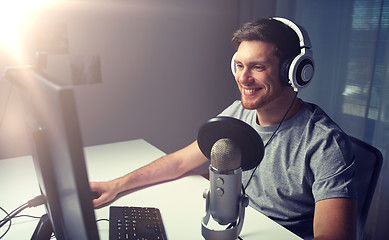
{"x": 250, "y": 101}
{"x": 253, "y": 103}
{"x": 250, "y": 105}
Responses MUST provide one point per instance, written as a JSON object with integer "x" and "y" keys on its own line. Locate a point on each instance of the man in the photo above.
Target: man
{"x": 304, "y": 181}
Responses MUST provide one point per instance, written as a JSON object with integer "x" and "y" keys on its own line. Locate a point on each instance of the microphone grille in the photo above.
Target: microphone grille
{"x": 225, "y": 155}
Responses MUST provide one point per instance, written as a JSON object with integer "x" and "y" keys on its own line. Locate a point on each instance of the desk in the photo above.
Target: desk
{"x": 181, "y": 201}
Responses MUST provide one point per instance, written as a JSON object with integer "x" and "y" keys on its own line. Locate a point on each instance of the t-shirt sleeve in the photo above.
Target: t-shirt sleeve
{"x": 333, "y": 167}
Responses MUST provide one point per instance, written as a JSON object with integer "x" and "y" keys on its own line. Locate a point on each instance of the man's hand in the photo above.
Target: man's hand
{"x": 165, "y": 168}
{"x": 106, "y": 190}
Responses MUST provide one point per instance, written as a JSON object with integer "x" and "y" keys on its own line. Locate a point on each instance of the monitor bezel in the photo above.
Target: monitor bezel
{"x": 57, "y": 150}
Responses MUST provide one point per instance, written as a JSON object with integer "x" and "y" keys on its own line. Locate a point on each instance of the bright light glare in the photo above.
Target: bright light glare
{"x": 13, "y": 15}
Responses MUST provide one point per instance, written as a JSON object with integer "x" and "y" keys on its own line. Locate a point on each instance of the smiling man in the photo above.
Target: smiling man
{"x": 258, "y": 79}
{"x": 305, "y": 180}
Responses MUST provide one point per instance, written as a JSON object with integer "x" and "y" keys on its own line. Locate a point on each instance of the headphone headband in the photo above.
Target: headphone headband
{"x": 301, "y": 33}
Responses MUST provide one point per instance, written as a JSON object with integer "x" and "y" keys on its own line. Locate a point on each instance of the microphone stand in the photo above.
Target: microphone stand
{"x": 225, "y": 234}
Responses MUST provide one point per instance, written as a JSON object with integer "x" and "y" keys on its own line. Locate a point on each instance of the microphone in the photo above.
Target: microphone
{"x": 232, "y": 147}
{"x": 225, "y": 176}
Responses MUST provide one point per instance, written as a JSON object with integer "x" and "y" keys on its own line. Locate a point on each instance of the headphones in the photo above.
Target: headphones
{"x": 298, "y": 71}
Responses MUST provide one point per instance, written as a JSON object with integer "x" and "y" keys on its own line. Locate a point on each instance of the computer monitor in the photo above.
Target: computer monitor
{"x": 57, "y": 149}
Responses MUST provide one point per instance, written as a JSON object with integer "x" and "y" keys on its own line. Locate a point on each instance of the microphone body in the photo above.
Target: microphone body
{"x": 225, "y": 194}
{"x": 225, "y": 181}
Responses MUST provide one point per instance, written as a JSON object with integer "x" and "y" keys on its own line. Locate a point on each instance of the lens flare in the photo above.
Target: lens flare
{"x": 14, "y": 17}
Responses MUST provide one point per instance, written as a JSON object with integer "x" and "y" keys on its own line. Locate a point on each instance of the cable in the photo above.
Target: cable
{"x": 9, "y": 226}
{"x": 271, "y": 138}
{"x": 6, "y": 213}
{"x": 29, "y": 216}
{"x": 18, "y": 216}
{"x": 12, "y": 214}
{"x": 102, "y": 219}
{"x": 37, "y": 201}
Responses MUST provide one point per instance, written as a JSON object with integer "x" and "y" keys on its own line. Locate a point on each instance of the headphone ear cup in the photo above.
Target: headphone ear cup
{"x": 304, "y": 72}
{"x": 301, "y": 69}
{"x": 284, "y": 72}
{"x": 233, "y": 65}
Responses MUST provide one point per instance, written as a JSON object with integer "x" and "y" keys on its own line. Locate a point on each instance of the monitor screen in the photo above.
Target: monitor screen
{"x": 57, "y": 149}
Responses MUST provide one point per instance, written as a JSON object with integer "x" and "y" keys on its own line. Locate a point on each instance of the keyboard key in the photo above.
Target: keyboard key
{"x": 136, "y": 223}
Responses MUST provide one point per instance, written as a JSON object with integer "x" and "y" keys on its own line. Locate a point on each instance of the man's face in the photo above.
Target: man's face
{"x": 258, "y": 76}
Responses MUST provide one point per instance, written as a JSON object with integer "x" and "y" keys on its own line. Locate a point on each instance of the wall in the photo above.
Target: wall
{"x": 164, "y": 69}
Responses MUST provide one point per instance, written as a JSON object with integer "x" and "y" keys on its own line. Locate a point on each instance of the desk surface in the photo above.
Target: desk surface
{"x": 181, "y": 201}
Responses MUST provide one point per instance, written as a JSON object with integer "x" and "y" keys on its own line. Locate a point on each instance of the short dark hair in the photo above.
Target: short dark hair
{"x": 284, "y": 38}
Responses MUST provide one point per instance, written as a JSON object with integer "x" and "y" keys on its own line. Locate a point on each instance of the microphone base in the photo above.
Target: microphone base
{"x": 227, "y": 233}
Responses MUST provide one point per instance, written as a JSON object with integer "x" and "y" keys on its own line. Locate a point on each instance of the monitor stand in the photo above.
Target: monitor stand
{"x": 43, "y": 230}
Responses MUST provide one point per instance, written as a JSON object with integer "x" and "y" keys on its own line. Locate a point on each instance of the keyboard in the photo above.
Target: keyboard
{"x": 143, "y": 223}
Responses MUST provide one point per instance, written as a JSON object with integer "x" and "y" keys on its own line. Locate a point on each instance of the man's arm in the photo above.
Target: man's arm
{"x": 165, "y": 168}
{"x": 335, "y": 218}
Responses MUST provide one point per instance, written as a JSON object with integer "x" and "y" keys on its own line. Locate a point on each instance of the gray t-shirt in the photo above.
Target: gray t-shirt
{"x": 309, "y": 159}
